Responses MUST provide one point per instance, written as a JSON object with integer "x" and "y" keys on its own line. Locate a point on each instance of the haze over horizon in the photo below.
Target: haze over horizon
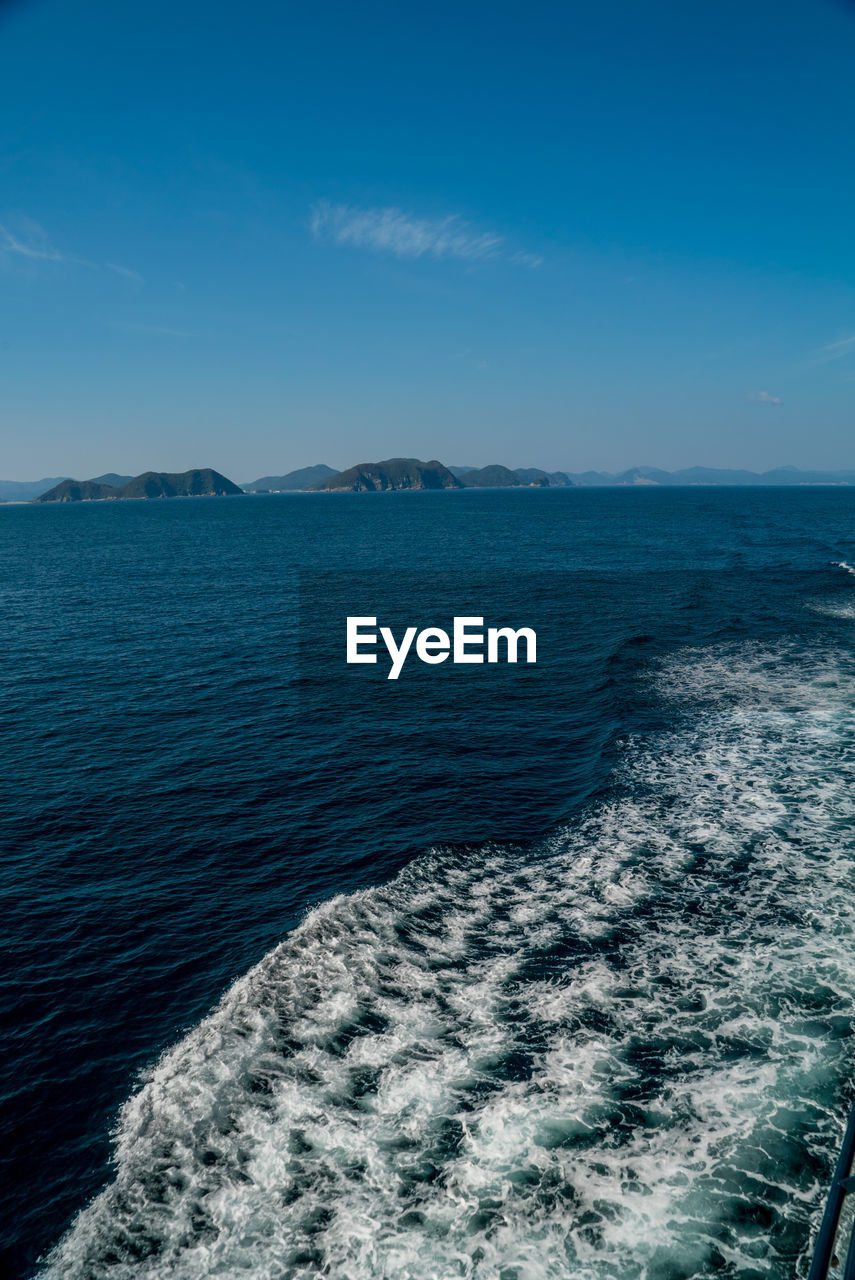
{"x": 551, "y": 236}
{"x": 119, "y": 478}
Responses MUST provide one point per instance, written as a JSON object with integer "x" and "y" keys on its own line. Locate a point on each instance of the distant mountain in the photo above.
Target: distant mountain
{"x": 185, "y": 484}
{"x": 110, "y": 478}
{"x": 394, "y": 473}
{"x": 294, "y": 480}
{"x": 492, "y": 477}
{"x": 78, "y": 491}
{"x": 534, "y": 475}
{"x": 712, "y": 476}
{"x": 791, "y": 475}
{"x": 634, "y": 475}
{"x": 398, "y": 473}
{"x": 26, "y": 490}
{"x": 151, "y": 484}
{"x": 526, "y": 476}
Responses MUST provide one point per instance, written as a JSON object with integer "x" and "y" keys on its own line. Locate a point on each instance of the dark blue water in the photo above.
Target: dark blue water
{"x": 576, "y": 998}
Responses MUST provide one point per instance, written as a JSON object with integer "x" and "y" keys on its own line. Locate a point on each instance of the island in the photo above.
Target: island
{"x": 496, "y": 477}
{"x": 394, "y": 473}
{"x": 200, "y": 483}
{"x": 405, "y": 473}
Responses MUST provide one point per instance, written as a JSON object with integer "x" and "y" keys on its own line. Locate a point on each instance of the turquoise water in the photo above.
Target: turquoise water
{"x": 528, "y": 972}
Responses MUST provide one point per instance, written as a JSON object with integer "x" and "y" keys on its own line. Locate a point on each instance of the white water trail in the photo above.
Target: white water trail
{"x": 614, "y": 1057}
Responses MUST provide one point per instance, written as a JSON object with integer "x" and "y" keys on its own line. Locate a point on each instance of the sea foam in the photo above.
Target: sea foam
{"x": 617, "y": 1054}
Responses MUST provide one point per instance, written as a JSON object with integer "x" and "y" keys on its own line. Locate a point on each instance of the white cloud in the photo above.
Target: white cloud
{"x": 391, "y": 230}
{"x": 834, "y": 350}
{"x": 36, "y": 246}
{"x": 763, "y": 397}
{"x": 127, "y": 272}
{"x": 526, "y": 260}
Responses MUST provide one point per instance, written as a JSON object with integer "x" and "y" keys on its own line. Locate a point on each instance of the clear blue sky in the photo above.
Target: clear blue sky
{"x": 259, "y": 235}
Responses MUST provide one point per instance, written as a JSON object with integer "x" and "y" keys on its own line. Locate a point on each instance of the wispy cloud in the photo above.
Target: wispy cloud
{"x": 531, "y": 260}
{"x": 35, "y": 245}
{"x": 127, "y": 272}
{"x": 835, "y": 350}
{"x": 391, "y": 230}
{"x": 764, "y": 397}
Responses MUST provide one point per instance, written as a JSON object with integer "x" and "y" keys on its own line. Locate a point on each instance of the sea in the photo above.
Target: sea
{"x": 540, "y": 971}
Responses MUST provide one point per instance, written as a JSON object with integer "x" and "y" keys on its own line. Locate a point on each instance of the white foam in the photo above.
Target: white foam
{"x": 835, "y": 608}
{"x": 612, "y": 1057}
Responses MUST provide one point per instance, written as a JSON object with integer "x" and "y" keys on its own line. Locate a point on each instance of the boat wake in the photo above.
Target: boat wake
{"x": 614, "y": 1055}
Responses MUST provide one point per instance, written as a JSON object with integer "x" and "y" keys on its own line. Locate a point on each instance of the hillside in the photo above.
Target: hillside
{"x": 78, "y": 491}
{"x": 186, "y": 484}
{"x": 497, "y": 477}
{"x": 394, "y": 473}
{"x": 293, "y": 481}
{"x": 203, "y": 482}
{"x": 534, "y": 475}
{"x": 111, "y": 478}
{"x": 492, "y": 477}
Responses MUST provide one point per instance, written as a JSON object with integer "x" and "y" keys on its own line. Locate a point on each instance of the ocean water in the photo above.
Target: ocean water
{"x": 501, "y": 973}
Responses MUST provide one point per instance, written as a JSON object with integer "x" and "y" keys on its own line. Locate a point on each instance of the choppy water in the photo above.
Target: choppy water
{"x": 576, "y": 998}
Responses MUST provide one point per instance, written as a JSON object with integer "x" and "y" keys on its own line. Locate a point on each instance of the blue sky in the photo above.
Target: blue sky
{"x": 264, "y": 235}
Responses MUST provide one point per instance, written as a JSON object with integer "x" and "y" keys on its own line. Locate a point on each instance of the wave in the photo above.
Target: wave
{"x": 614, "y": 1055}
{"x": 835, "y": 609}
